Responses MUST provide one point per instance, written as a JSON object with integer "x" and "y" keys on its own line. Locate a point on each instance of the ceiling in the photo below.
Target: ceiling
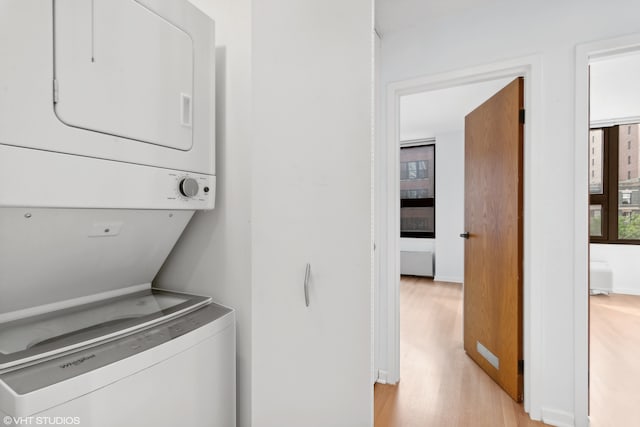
{"x": 395, "y": 15}
{"x": 427, "y": 114}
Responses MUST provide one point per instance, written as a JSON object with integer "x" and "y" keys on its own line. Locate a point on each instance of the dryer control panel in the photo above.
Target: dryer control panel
{"x": 105, "y": 184}
{"x": 190, "y": 188}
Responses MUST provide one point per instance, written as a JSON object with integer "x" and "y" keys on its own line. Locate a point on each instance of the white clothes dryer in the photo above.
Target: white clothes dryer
{"x": 98, "y": 96}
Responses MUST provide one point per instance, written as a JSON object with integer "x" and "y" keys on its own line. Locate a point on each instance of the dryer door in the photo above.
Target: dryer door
{"x": 124, "y": 70}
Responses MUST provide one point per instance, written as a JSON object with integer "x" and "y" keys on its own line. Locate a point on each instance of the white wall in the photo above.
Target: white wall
{"x": 615, "y": 84}
{"x": 623, "y": 260}
{"x": 424, "y": 115}
{"x": 213, "y": 257}
{"x": 509, "y": 30}
{"x": 418, "y": 244}
{"x": 450, "y": 206}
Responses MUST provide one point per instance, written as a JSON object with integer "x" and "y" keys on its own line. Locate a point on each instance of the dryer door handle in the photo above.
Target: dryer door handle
{"x": 307, "y": 276}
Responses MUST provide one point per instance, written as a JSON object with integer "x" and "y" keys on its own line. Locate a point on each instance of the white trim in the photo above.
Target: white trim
{"x": 557, "y": 418}
{"x": 615, "y": 121}
{"x": 382, "y": 377}
{"x": 581, "y": 243}
{"x": 531, "y": 68}
{"x": 625, "y": 291}
{"x": 393, "y": 235}
{"x": 586, "y": 53}
{"x": 449, "y": 279}
{"x": 417, "y": 142}
{"x": 375, "y": 37}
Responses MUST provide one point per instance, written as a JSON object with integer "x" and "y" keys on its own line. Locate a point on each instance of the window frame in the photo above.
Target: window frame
{"x": 609, "y": 197}
{"x": 426, "y": 202}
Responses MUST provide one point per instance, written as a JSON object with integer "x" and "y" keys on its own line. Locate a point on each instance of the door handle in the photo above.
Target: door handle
{"x": 307, "y": 275}
{"x": 465, "y": 235}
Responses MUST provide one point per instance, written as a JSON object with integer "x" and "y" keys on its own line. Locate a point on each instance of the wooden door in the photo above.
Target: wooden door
{"x": 493, "y": 249}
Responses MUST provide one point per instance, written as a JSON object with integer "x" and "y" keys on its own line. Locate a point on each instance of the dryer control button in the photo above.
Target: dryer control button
{"x": 189, "y": 187}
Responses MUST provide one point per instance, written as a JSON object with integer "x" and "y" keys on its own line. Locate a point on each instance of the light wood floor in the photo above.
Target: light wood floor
{"x": 440, "y": 385}
{"x": 615, "y": 361}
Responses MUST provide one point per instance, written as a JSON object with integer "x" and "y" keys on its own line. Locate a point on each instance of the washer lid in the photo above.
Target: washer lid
{"x": 44, "y": 335}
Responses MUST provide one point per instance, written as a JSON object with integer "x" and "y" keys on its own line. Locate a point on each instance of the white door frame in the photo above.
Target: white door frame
{"x": 530, "y": 68}
{"x": 586, "y": 53}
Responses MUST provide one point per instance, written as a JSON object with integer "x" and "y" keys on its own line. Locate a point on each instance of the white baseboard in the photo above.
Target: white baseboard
{"x": 557, "y": 418}
{"x": 625, "y": 291}
{"x": 452, "y": 279}
{"x": 382, "y": 376}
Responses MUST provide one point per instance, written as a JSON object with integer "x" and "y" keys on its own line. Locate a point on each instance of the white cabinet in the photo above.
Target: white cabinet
{"x": 311, "y": 203}
{"x": 124, "y": 70}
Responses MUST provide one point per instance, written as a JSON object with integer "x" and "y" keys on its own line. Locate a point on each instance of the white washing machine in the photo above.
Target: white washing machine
{"x": 146, "y": 358}
{"x": 86, "y": 340}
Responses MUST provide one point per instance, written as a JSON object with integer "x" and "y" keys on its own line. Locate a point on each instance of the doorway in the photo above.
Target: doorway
{"x": 389, "y": 283}
{"x": 614, "y": 239}
{"x": 585, "y": 55}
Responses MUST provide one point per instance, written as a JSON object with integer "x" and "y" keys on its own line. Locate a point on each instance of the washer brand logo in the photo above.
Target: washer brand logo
{"x": 77, "y": 361}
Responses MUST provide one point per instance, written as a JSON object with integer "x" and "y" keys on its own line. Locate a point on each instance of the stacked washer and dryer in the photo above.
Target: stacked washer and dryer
{"x": 106, "y": 151}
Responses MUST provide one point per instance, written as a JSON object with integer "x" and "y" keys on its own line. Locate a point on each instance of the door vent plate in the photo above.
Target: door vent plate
{"x": 490, "y": 357}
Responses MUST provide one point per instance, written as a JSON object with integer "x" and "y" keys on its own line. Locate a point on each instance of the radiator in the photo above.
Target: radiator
{"x": 601, "y": 277}
{"x": 414, "y": 263}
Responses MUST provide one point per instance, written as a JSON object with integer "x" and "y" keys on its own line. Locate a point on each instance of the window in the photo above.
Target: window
{"x": 614, "y": 186}
{"x": 597, "y": 154}
{"x": 413, "y": 170}
{"x": 417, "y": 191}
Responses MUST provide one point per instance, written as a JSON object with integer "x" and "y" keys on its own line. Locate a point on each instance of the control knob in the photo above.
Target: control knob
{"x": 188, "y": 187}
